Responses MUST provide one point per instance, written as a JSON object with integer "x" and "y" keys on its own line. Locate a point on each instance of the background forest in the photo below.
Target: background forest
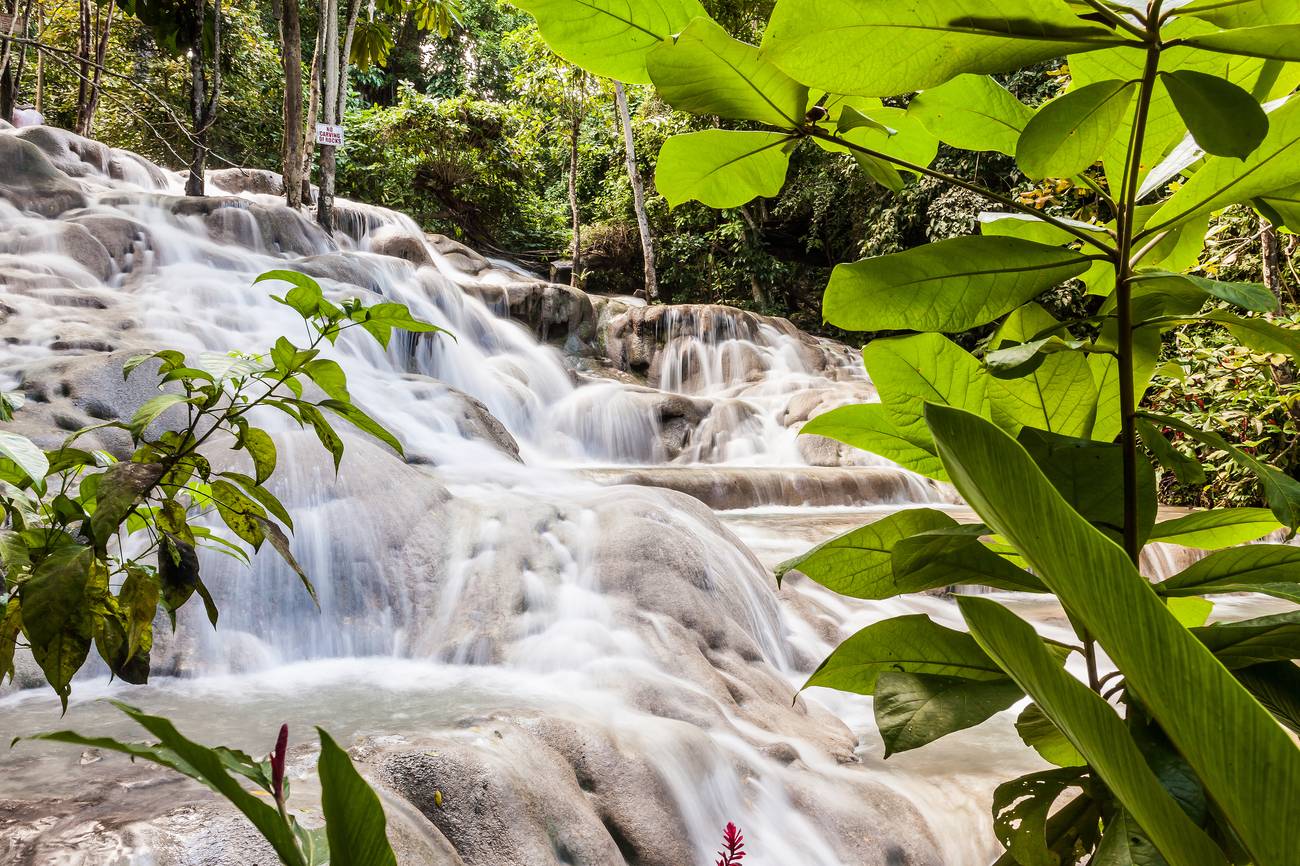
{"x": 458, "y": 114}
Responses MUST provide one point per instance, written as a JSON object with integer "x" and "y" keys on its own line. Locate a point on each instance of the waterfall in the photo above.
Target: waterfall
{"x": 558, "y": 613}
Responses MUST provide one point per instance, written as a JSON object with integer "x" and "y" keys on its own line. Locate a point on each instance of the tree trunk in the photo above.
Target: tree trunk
{"x": 329, "y": 110}
{"x": 203, "y": 98}
{"x": 1271, "y": 260}
{"x": 8, "y": 78}
{"x": 21, "y": 65}
{"x": 313, "y": 114}
{"x": 83, "y": 55}
{"x": 100, "y": 32}
{"x": 575, "y": 249}
{"x": 345, "y": 55}
{"x": 756, "y": 290}
{"x": 291, "y": 62}
{"x": 40, "y": 58}
{"x": 638, "y": 196}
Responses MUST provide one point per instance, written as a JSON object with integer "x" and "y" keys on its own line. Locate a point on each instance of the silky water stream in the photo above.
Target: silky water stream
{"x": 552, "y": 635}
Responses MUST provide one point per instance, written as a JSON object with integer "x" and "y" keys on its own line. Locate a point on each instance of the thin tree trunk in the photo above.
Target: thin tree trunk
{"x": 638, "y": 196}
{"x": 291, "y": 62}
{"x": 345, "y": 55}
{"x": 8, "y": 80}
{"x": 756, "y": 289}
{"x": 1270, "y": 254}
{"x": 313, "y": 114}
{"x": 575, "y": 249}
{"x": 203, "y": 98}
{"x": 102, "y": 29}
{"x": 329, "y": 105}
{"x": 21, "y": 66}
{"x": 40, "y": 59}
{"x": 83, "y": 52}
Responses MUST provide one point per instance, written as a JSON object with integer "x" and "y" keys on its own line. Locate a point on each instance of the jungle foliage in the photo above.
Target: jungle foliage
{"x": 1179, "y": 754}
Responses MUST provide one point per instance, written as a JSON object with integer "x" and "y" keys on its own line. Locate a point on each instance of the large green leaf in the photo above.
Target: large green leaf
{"x": 1187, "y": 469}
{"x": 1272, "y": 42}
{"x": 210, "y": 766}
{"x": 909, "y": 372}
{"x": 354, "y": 818}
{"x": 1223, "y": 118}
{"x": 1281, "y": 491}
{"x": 1165, "y": 666}
{"x": 886, "y": 47}
{"x": 1244, "y": 13}
{"x": 1032, "y": 228}
{"x": 56, "y": 614}
{"x": 705, "y": 71}
{"x": 1277, "y": 686}
{"x": 1092, "y": 726}
{"x": 1273, "y": 569}
{"x": 858, "y": 563}
{"x": 122, "y": 487}
{"x": 1248, "y": 296}
{"x": 947, "y": 286}
{"x": 610, "y": 37}
{"x": 913, "y": 710}
{"x": 1090, "y": 477}
{"x": 1020, "y": 816}
{"x": 25, "y": 455}
{"x": 1125, "y": 843}
{"x": 1223, "y": 180}
{"x": 909, "y": 644}
{"x": 1044, "y": 737}
{"x": 972, "y": 112}
{"x": 1105, "y": 373}
{"x": 1255, "y": 641}
{"x": 1060, "y": 395}
{"x": 722, "y": 167}
{"x": 955, "y": 556}
{"x": 1165, "y": 129}
{"x": 1216, "y": 528}
{"x": 867, "y": 426}
{"x": 1071, "y": 132}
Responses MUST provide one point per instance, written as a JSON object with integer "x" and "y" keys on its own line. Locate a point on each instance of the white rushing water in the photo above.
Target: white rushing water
{"x": 478, "y": 607}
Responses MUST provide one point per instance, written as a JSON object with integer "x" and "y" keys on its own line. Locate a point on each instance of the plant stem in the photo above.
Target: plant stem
{"x": 1124, "y": 286}
{"x": 1086, "y": 237}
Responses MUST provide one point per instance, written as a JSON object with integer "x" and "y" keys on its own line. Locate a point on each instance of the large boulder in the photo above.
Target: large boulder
{"x": 31, "y": 183}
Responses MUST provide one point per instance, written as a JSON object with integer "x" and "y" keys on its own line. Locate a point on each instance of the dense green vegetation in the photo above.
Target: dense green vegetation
{"x": 1065, "y": 225}
{"x": 1180, "y": 754}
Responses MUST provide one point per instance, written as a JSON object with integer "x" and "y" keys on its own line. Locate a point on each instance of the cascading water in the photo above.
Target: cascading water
{"x": 584, "y": 671}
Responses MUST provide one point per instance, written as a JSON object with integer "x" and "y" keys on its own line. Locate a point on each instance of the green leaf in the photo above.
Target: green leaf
{"x": 11, "y": 625}
{"x": 25, "y": 455}
{"x": 913, "y": 710}
{"x": 1281, "y": 491}
{"x": 972, "y": 112}
{"x": 354, "y": 817}
{"x": 55, "y": 615}
{"x": 1273, "y": 569}
{"x": 1165, "y": 666}
{"x": 305, "y": 296}
{"x": 1031, "y": 228}
{"x": 1089, "y": 476}
{"x": 610, "y": 38}
{"x": 281, "y": 544}
{"x": 324, "y": 432}
{"x": 261, "y": 448}
{"x": 1038, "y": 732}
{"x": 1225, "y": 180}
{"x": 705, "y": 71}
{"x": 908, "y": 644}
{"x": 884, "y": 49}
{"x": 1105, "y": 373}
{"x": 1273, "y": 42}
{"x": 238, "y": 512}
{"x": 329, "y": 377}
{"x": 1277, "y": 686}
{"x": 954, "y": 556}
{"x": 138, "y": 597}
{"x": 152, "y": 408}
{"x": 178, "y": 574}
{"x": 380, "y": 320}
{"x": 1255, "y": 641}
{"x": 1244, "y": 13}
{"x": 1092, "y": 727}
{"x": 868, "y": 427}
{"x": 1071, "y": 132}
{"x": 1125, "y": 843}
{"x": 1248, "y": 296}
{"x": 1020, "y": 809}
{"x": 721, "y": 167}
{"x": 1186, "y": 469}
{"x": 858, "y": 563}
{"x": 1191, "y": 612}
{"x": 364, "y": 422}
{"x": 122, "y": 488}
{"x": 264, "y": 497}
{"x": 1059, "y": 395}
{"x": 207, "y": 765}
{"x": 1223, "y": 119}
{"x": 908, "y": 372}
{"x": 1257, "y": 333}
{"x": 947, "y": 286}
{"x": 1216, "y": 528}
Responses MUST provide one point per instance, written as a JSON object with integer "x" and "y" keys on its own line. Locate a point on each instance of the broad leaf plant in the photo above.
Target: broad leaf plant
{"x": 1170, "y": 745}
